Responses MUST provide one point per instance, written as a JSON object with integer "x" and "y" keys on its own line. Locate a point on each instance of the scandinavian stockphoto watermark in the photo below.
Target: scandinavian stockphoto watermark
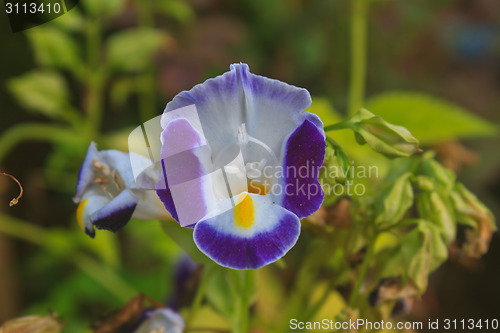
{"x": 351, "y": 185}
{"x": 268, "y": 174}
{"x": 190, "y": 162}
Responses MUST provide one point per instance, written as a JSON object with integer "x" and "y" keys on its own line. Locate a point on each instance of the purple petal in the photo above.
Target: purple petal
{"x": 304, "y": 152}
{"x": 183, "y": 188}
{"x": 273, "y": 232}
{"x": 165, "y": 194}
{"x": 86, "y": 173}
{"x": 271, "y": 109}
{"x": 116, "y": 214}
{"x": 161, "y": 320}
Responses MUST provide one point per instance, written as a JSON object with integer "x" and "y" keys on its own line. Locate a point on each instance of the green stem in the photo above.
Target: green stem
{"x": 320, "y": 303}
{"x": 200, "y": 293}
{"x": 20, "y": 229}
{"x": 35, "y": 131}
{"x": 309, "y": 272}
{"x": 103, "y": 275}
{"x": 146, "y": 81}
{"x": 353, "y": 300}
{"x": 107, "y": 277}
{"x": 246, "y": 287}
{"x": 338, "y": 126}
{"x": 145, "y": 12}
{"x": 358, "y": 55}
{"x": 73, "y": 117}
{"x": 332, "y": 142}
{"x": 95, "y": 78}
{"x": 147, "y": 103}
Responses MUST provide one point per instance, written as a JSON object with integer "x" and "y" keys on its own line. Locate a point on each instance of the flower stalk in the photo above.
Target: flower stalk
{"x": 358, "y": 55}
{"x": 246, "y": 286}
{"x": 95, "y": 78}
{"x": 34, "y": 131}
{"x": 356, "y": 290}
{"x": 146, "y": 81}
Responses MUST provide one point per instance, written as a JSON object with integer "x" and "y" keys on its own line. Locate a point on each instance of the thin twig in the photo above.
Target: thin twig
{"x": 15, "y": 200}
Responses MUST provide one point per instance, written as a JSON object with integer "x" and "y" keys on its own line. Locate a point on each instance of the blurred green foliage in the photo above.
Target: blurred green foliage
{"x": 413, "y": 111}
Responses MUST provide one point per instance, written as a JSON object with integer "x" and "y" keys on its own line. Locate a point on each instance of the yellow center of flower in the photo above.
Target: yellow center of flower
{"x": 244, "y": 212}
{"x": 79, "y": 214}
{"x": 257, "y": 188}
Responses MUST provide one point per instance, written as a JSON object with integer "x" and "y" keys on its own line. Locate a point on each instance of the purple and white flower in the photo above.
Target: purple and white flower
{"x": 161, "y": 320}
{"x": 108, "y": 194}
{"x": 256, "y": 130}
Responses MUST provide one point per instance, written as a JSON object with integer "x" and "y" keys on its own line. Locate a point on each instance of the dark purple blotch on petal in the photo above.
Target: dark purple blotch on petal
{"x": 303, "y": 158}
{"x": 89, "y": 230}
{"x": 115, "y": 214}
{"x": 116, "y": 221}
{"x": 164, "y": 193}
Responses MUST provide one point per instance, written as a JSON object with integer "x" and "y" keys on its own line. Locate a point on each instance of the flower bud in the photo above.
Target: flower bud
{"x": 343, "y": 166}
{"x": 385, "y": 138}
{"x": 434, "y": 207}
{"x": 336, "y": 169}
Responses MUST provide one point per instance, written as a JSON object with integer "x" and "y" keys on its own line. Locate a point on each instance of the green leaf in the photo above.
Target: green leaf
{"x": 444, "y": 178}
{"x": 363, "y": 155}
{"x": 424, "y": 183}
{"x": 429, "y": 119}
{"x": 99, "y": 7}
{"x": 394, "y": 201}
{"x": 71, "y": 21}
{"x": 121, "y": 89}
{"x": 389, "y": 258}
{"x": 132, "y": 50}
{"x": 338, "y": 165}
{"x": 384, "y": 241}
{"x": 423, "y": 251}
{"x": 59, "y": 242}
{"x": 391, "y": 262}
{"x": 55, "y": 48}
{"x": 184, "y": 238}
{"x": 470, "y": 210}
{"x": 41, "y": 91}
{"x": 400, "y": 166}
{"x": 105, "y": 246}
{"x": 221, "y": 292}
{"x": 179, "y": 10}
